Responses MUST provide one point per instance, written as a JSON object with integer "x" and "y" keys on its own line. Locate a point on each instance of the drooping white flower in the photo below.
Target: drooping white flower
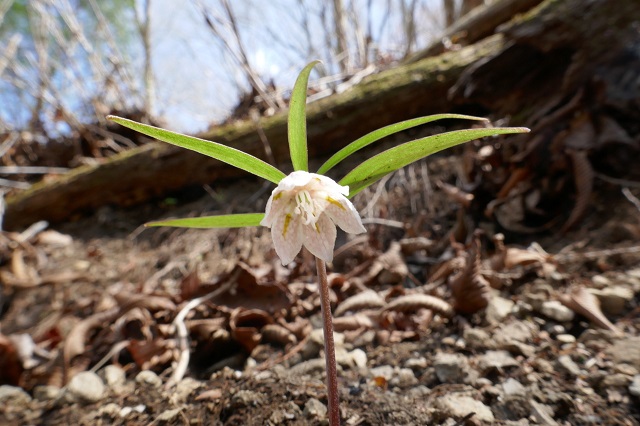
{"x": 304, "y": 209}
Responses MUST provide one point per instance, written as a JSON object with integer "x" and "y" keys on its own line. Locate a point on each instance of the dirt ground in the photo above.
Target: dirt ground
{"x": 437, "y": 324}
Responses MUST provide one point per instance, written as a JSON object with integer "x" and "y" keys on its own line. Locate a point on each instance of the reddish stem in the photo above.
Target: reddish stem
{"x": 333, "y": 397}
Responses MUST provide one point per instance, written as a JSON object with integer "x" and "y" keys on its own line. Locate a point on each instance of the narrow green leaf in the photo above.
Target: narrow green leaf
{"x": 215, "y": 150}
{"x": 383, "y": 132}
{"x": 222, "y": 221}
{"x": 297, "y": 125}
{"x": 397, "y": 157}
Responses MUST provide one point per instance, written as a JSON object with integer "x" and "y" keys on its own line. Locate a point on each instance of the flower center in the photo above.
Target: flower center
{"x": 307, "y": 207}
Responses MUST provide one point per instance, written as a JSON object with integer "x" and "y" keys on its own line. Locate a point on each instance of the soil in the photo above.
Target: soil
{"x": 523, "y": 359}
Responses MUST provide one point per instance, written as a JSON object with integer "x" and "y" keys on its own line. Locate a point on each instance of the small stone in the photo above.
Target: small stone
{"x": 496, "y": 360}
{"x": 557, "y": 311}
{"x": 125, "y": 411}
{"x": 600, "y": 281}
{"x": 314, "y": 409}
{"x": 247, "y": 398}
{"x": 110, "y": 409}
{"x": 634, "y": 387}
{"x": 615, "y": 381}
{"x": 86, "y": 387}
{"x": 477, "y": 338}
{"x": 416, "y": 363}
{"x": 404, "y": 377}
{"x": 626, "y": 351}
{"x": 566, "y": 364}
{"x": 627, "y": 369}
{"x": 512, "y": 387}
{"x": 185, "y": 388}
{"x": 419, "y": 391}
{"x": 566, "y": 338}
{"x": 543, "y": 414}
{"x": 613, "y": 299}
{"x": 113, "y": 375}
{"x": 13, "y": 396}
{"x": 498, "y": 309}
{"x": 282, "y": 416}
{"x": 46, "y": 392}
{"x": 148, "y": 378}
{"x": 168, "y": 415}
{"x": 459, "y": 406}
{"x": 450, "y": 368}
{"x": 385, "y": 371}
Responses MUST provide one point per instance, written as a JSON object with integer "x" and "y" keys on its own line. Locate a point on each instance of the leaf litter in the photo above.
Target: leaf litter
{"x": 218, "y": 307}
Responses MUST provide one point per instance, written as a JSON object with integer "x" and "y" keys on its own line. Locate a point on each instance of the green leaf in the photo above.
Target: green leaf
{"x": 397, "y": 157}
{"x": 297, "y": 125}
{"x": 215, "y": 150}
{"x": 222, "y": 221}
{"x": 383, "y": 132}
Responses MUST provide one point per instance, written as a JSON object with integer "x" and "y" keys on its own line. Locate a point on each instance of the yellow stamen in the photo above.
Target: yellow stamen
{"x": 277, "y": 196}
{"x": 317, "y": 228}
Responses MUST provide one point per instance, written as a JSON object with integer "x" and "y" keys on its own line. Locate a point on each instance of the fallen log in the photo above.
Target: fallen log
{"x": 564, "y": 59}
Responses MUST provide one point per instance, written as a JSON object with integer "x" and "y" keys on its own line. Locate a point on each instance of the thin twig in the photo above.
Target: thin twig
{"x": 634, "y": 200}
{"x": 182, "y": 333}
{"x": 32, "y": 170}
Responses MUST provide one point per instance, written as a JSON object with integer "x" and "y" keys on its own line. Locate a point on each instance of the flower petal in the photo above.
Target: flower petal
{"x": 345, "y": 215}
{"x": 287, "y": 236}
{"x": 276, "y": 206}
{"x": 321, "y": 238}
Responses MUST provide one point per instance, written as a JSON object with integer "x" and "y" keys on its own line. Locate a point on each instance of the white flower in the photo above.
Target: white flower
{"x": 304, "y": 209}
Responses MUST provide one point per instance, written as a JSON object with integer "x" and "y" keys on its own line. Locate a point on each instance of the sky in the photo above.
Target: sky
{"x": 197, "y": 83}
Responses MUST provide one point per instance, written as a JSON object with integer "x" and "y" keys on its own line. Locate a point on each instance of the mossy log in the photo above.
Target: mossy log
{"x": 536, "y": 61}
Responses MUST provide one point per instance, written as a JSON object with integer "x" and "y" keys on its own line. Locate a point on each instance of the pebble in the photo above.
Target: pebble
{"x": 168, "y": 415}
{"x": 626, "y": 351}
{"x": 566, "y": 364}
{"x": 86, "y": 387}
{"x": 613, "y": 299}
{"x": 543, "y": 414}
{"x": 385, "y": 371}
{"x": 12, "y": 396}
{"x": 557, "y": 311}
{"x": 46, "y": 392}
{"x": 450, "y": 368}
{"x": 314, "y": 409}
{"x": 566, "y": 338}
{"x": 459, "y": 406}
{"x": 498, "y": 309}
{"x": 403, "y": 377}
{"x": 477, "y": 338}
{"x": 284, "y": 415}
{"x": 634, "y": 387}
{"x": 513, "y": 387}
{"x": 416, "y": 363}
{"x": 113, "y": 375}
{"x": 148, "y": 378}
{"x": 615, "y": 381}
{"x": 496, "y": 360}
{"x": 247, "y": 398}
{"x": 185, "y": 388}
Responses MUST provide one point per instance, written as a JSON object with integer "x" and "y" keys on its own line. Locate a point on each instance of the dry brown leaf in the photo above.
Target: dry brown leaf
{"x": 456, "y": 194}
{"x": 413, "y": 302}
{"x": 275, "y": 333}
{"x": 246, "y": 326}
{"x": 586, "y": 304}
{"x": 471, "y": 291}
{"x": 583, "y": 175}
{"x": 366, "y": 300}
{"x": 10, "y": 366}
{"x": 353, "y": 322}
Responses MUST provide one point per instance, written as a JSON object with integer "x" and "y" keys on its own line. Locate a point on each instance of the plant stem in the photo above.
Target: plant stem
{"x": 333, "y": 397}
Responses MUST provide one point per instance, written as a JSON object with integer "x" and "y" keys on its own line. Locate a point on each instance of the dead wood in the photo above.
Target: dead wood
{"x": 561, "y": 59}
